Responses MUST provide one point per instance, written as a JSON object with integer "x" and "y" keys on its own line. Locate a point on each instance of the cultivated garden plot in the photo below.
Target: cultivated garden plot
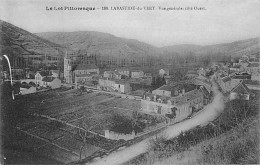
{"x": 58, "y": 153}
{"x": 93, "y": 112}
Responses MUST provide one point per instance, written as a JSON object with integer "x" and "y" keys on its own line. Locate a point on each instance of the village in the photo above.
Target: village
{"x": 98, "y": 111}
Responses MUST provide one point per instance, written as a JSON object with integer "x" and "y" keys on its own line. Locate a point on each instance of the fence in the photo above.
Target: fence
{"x": 117, "y": 136}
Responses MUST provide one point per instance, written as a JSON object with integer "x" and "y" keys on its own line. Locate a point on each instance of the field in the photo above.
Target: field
{"x": 55, "y": 118}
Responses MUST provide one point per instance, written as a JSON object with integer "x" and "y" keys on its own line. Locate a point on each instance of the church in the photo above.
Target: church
{"x": 72, "y": 70}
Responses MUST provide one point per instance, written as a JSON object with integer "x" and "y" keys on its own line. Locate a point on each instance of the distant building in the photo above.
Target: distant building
{"x": 113, "y": 85}
{"x": 192, "y": 74}
{"x": 124, "y": 72}
{"x": 83, "y": 79}
{"x": 175, "y": 102}
{"x": 27, "y": 89}
{"x": 51, "y": 82}
{"x": 86, "y": 69}
{"x": 122, "y": 87}
{"x": 137, "y": 74}
{"x": 39, "y": 77}
{"x": 254, "y": 70}
{"x": 55, "y": 73}
{"x": 112, "y": 74}
{"x": 72, "y": 70}
{"x": 241, "y": 91}
{"x": 164, "y": 72}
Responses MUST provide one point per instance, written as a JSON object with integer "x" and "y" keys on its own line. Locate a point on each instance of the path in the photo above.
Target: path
{"x": 212, "y": 111}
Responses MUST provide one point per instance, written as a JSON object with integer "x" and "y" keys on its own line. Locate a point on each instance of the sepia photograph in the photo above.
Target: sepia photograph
{"x": 129, "y": 82}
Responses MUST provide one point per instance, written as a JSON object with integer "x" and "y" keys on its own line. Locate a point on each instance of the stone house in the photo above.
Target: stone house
{"x": 39, "y": 77}
{"x": 137, "y": 74}
{"x": 174, "y": 102}
{"x": 51, "y": 82}
{"x": 241, "y": 91}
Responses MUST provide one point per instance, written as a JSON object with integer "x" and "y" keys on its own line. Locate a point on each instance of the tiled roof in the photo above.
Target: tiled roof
{"x": 86, "y": 66}
{"x": 226, "y": 79}
{"x": 205, "y": 92}
{"x": 241, "y": 88}
{"x": 241, "y": 77}
{"x": 43, "y": 73}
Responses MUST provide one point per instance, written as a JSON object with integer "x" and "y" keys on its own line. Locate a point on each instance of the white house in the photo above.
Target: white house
{"x": 124, "y": 72}
{"x": 51, "y": 82}
{"x": 164, "y": 72}
{"x": 112, "y": 74}
{"x": 27, "y": 89}
{"x": 137, "y": 74}
{"x": 39, "y": 77}
{"x": 55, "y": 73}
{"x": 86, "y": 69}
{"x": 122, "y": 87}
{"x": 241, "y": 91}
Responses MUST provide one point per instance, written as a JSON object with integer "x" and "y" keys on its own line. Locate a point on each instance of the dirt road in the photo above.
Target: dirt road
{"x": 210, "y": 112}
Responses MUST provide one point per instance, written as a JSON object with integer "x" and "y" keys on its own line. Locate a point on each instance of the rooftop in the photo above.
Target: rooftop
{"x": 48, "y": 79}
{"x": 178, "y": 100}
{"x": 43, "y": 73}
{"x": 241, "y": 88}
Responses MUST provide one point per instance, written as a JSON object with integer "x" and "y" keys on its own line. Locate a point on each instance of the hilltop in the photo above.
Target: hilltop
{"x": 102, "y": 44}
{"x": 16, "y": 42}
{"x": 233, "y": 49}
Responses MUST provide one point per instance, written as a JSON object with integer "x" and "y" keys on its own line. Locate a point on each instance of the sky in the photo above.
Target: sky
{"x": 222, "y": 21}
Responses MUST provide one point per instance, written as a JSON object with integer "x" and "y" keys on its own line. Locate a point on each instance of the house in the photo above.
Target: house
{"x": 241, "y": 91}
{"x": 30, "y": 75}
{"x": 84, "y": 79}
{"x": 114, "y": 85}
{"x": 225, "y": 84}
{"x": 235, "y": 68}
{"x": 108, "y": 74}
{"x": 55, "y": 73}
{"x": 27, "y": 89}
{"x": 254, "y": 70}
{"x": 206, "y": 95}
{"x": 137, "y": 74}
{"x": 191, "y": 74}
{"x": 173, "y": 101}
{"x": 86, "y": 69}
{"x": 201, "y": 71}
{"x": 164, "y": 72}
{"x": 72, "y": 69}
{"x": 122, "y": 87}
{"x": 106, "y": 84}
{"x": 112, "y": 74}
{"x": 39, "y": 77}
{"x": 51, "y": 82}
{"x": 123, "y": 72}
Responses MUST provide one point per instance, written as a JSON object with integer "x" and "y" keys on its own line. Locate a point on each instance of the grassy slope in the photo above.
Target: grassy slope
{"x": 232, "y": 139}
{"x": 240, "y": 145}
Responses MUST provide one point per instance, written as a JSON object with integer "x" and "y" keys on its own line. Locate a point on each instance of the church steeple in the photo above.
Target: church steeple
{"x": 67, "y": 68}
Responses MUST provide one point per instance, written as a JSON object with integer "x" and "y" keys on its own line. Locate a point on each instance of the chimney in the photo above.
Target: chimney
{"x": 154, "y": 98}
